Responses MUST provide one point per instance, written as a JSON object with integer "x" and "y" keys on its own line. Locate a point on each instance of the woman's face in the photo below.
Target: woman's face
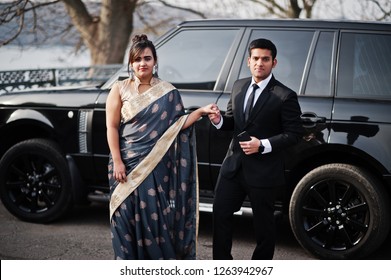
{"x": 143, "y": 65}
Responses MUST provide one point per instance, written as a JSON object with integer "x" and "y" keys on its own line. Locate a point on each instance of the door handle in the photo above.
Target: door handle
{"x": 191, "y": 109}
{"x": 310, "y": 119}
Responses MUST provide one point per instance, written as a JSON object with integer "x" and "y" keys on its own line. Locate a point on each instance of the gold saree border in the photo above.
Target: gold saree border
{"x": 197, "y": 207}
{"x": 145, "y": 167}
{"x": 141, "y": 101}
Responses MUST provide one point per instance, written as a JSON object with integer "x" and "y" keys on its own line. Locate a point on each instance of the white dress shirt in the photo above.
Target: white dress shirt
{"x": 261, "y": 86}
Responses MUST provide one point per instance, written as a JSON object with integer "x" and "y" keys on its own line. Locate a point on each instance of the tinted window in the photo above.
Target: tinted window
{"x": 292, "y": 52}
{"x": 365, "y": 66}
{"x": 193, "y": 58}
{"x": 319, "y": 77}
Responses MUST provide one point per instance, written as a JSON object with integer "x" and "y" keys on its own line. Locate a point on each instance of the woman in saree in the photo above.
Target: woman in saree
{"x": 152, "y": 165}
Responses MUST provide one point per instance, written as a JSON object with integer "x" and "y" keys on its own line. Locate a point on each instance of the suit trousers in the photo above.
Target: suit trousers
{"x": 229, "y": 196}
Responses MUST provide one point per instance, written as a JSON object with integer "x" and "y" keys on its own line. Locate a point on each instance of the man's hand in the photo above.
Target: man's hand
{"x": 250, "y": 147}
{"x": 214, "y": 117}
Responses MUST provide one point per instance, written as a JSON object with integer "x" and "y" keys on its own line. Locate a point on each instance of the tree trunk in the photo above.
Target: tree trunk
{"x": 106, "y": 36}
{"x": 295, "y": 9}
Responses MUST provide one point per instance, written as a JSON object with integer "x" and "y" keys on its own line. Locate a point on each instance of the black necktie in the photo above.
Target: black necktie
{"x": 250, "y": 101}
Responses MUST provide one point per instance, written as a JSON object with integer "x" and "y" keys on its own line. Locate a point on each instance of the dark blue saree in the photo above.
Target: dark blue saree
{"x": 154, "y": 214}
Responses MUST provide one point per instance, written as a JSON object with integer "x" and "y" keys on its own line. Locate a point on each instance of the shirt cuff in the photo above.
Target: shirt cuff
{"x": 220, "y": 124}
{"x": 267, "y": 145}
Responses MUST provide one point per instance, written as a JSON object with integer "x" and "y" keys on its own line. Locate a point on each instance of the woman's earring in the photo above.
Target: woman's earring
{"x": 155, "y": 70}
{"x": 131, "y": 72}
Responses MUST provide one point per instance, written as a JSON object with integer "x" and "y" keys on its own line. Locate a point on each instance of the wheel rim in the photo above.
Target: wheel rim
{"x": 32, "y": 184}
{"x": 335, "y": 215}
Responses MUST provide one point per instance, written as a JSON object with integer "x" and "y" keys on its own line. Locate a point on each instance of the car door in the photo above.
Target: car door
{"x": 305, "y": 59}
{"x": 197, "y": 60}
{"x": 363, "y": 99}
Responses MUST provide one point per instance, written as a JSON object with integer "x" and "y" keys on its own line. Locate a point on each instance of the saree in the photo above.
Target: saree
{"x": 154, "y": 214}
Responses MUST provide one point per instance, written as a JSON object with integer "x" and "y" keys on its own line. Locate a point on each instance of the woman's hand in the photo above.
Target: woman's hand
{"x": 119, "y": 172}
{"x": 213, "y": 112}
{"x": 209, "y": 110}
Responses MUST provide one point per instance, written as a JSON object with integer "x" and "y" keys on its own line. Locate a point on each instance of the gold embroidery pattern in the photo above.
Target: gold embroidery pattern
{"x": 133, "y": 102}
{"x": 141, "y": 171}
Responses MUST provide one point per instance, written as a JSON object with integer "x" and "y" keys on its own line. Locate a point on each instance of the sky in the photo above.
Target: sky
{"x": 13, "y": 58}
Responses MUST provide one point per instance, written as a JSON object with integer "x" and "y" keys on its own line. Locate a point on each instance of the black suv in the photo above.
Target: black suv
{"x": 53, "y": 142}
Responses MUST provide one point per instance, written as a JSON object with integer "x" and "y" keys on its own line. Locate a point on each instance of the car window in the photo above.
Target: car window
{"x": 193, "y": 59}
{"x": 319, "y": 77}
{"x": 292, "y": 51}
{"x": 364, "y": 66}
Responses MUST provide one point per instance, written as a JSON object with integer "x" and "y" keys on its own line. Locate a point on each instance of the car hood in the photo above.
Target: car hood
{"x": 65, "y": 97}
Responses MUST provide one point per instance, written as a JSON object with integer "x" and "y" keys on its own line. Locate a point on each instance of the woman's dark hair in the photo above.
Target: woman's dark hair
{"x": 263, "y": 44}
{"x": 139, "y": 44}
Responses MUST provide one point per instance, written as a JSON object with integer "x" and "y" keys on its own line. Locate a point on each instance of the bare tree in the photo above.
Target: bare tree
{"x": 105, "y": 27}
{"x": 378, "y": 10}
{"x": 365, "y": 10}
{"x": 289, "y": 9}
{"x": 104, "y": 31}
{"x": 383, "y": 9}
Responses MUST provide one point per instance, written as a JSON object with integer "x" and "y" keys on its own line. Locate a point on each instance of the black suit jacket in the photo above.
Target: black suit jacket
{"x": 275, "y": 116}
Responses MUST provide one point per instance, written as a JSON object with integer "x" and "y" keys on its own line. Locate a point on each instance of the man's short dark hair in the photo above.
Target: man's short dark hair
{"x": 263, "y": 44}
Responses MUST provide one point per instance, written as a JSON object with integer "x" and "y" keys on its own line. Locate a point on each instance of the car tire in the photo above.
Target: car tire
{"x": 35, "y": 183}
{"x": 339, "y": 211}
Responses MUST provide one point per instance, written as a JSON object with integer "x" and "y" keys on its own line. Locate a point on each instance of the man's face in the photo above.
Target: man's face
{"x": 261, "y": 64}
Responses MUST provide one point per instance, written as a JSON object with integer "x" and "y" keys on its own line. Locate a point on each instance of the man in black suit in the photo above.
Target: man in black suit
{"x": 254, "y": 167}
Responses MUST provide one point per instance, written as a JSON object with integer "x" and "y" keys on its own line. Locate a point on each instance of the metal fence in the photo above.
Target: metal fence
{"x": 37, "y": 78}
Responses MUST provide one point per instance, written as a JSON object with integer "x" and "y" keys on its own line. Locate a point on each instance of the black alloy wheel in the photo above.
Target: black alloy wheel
{"x": 338, "y": 211}
{"x": 35, "y": 183}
